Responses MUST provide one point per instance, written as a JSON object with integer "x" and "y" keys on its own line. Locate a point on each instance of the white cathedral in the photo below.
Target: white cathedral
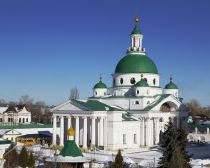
{"x": 130, "y": 114}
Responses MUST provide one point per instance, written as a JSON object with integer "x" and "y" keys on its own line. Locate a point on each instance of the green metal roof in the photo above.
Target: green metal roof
{"x": 26, "y": 126}
{"x": 142, "y": 83}
{"x": 128, "y": 117}
{"x": 152, "y": 105}
{"x": 71, "y": 149}
{"x": 136, "y": 30}
{"x": 5, "y": 142}
{"x": 171, "y": 85}
{"x": 95, "y": 105}
{"x": 198, "y": 125}
{"x": 136, "y": 63}
{"x": 100, "y": 85}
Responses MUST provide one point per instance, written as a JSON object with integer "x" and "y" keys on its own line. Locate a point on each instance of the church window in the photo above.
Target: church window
{"x": 134, "y": 139}
{"x": 165, "y": 107}
{"x": 137, "y": 91}
{"x": 95, "y": 93}
{"x": 121, "y": 80}
{"x": 23, "y": 120}
{"x": 0, "y": 119}
{"x": 154, "y": 81}
{"x": 137, "y": 102}
{"x": 133, "y": 81}
{"x": 19, "y": 120}
{"x": 124, "y": 138}
{"x": 26, "y": 119}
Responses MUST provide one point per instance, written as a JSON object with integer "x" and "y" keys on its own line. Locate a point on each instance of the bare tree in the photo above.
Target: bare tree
{"x": 74, "y": 93}
{"x": 26, "y": 100}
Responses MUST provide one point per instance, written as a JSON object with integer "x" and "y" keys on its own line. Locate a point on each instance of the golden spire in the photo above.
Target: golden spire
{"x": 70, "y": 131}
{"x": 136, "y": 19}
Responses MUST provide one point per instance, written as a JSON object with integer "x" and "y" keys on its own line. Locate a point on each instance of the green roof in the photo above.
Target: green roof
{"x": 171, "y": 85}
{"x": 25, "y": 126}
{"x": 136, "y": 63}
{"x": 5, "y": 142}
{"x": 71, "y": 149}
{"x": 95, "y": 105}
{"x": 142, "y": 83}
{"x": 136, "y": 30}
{"x": 191, "y": 125}
{"x": 128, "y": 117}
{"x": 100, "y": 85}
{"x": 152, "y": 105}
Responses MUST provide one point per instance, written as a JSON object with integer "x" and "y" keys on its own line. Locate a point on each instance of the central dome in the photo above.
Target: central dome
{"x": 136, "y": 63}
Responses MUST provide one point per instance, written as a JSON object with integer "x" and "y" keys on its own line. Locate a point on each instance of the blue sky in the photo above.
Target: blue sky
{"x": 47, "y": 46}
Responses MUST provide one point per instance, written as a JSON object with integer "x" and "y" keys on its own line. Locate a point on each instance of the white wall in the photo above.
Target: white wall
{"x": 127, "y": 77}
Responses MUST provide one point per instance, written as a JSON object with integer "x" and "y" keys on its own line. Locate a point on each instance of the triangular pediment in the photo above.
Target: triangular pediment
{"x": 69, "y": 105}
{"x": 12, "y": 132}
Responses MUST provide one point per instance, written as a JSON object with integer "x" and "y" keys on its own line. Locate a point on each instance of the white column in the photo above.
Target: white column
{"x": 93, "y": 133}
{"x": 196, "y": 130}
{"x": 61, "y": 130}
{"x": 105, "y": 133}
{"x": 54, "y": 129}
{"x": 147, "y": 130}
{"x": 142, "y": 132}
{"x": 77, "y": 131}
{"x": 157, "y": 131}
{"x": 207, "y": 131}
{"x": 85, "y": 132}
{"x": 101, "y": 132}
{"x": 151, "y": 123}
{"x": 69, "y": 122}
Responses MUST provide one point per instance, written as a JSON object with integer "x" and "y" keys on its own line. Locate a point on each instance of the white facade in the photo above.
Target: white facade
{"x": 131, "y": 114}
{"x": 14, "y": 115}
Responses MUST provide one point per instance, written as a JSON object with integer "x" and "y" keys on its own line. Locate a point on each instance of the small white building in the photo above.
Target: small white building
{"x": 14, "y": 115}
{"x": 11, "y": 132}
{"x": 129, "y": 114}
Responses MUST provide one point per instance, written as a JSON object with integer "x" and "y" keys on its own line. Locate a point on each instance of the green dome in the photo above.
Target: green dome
{"x": 142, "y": 83}
{"x": 136, "y": 30}
{"x": 100, "y": 85}
{"x": 136, "y": 64}
{"x": 171, "y": 85}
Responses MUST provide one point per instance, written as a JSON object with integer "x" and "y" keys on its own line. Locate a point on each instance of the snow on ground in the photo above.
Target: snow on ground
{"x": 146, "y": 157}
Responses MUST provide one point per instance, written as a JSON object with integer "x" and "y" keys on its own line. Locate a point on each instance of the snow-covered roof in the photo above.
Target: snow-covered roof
{"x": 3, "y": 109}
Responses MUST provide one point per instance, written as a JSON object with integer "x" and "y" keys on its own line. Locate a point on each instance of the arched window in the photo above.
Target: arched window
{"x": 154, "y": 81}
{"x": 137, "y": 91}
{"x": 95, "y": 93}
{"x": 133, "y": 81}
{"x": 137, "y": 102}
{"x": 165, "y": 107}
{"x": 121, "y": 80}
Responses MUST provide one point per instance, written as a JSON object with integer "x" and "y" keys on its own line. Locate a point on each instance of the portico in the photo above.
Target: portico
{"x": 97, "y": 126}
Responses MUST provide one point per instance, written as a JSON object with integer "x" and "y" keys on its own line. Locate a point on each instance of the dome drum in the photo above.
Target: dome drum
{"x": 131, "y": 79}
